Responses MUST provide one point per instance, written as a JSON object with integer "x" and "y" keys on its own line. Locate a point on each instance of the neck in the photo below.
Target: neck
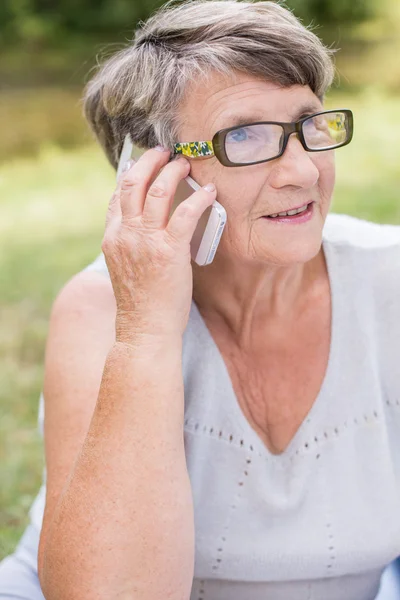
{"x": 242, "y": 297}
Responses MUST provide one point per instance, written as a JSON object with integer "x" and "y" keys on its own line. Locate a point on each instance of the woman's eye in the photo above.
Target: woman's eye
{"x": 310, "y": 124}
{"x": 239, "y": 135}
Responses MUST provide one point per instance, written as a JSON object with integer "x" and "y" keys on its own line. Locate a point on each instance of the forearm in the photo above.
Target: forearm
{"x": 123, "y": 527}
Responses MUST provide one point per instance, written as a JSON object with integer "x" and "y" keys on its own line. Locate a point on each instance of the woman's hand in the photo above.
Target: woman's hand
{"x": 147, "y": 253}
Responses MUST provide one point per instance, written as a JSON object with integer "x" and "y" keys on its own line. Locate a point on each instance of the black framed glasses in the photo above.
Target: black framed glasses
{"x": 266, "y": 140}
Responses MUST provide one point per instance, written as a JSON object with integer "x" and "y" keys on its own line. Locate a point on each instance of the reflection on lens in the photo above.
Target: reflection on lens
{"x": 253, "y": 143}
{"x": 324, "y": 131}
{"x": 259, "y": 142}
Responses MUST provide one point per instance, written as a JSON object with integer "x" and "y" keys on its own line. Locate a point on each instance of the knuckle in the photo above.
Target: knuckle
{"x": 158, "y": 190}
{"x": 130, "y": 182}
{"x": 187, "y": 211}
{"x": 107, "y": 243}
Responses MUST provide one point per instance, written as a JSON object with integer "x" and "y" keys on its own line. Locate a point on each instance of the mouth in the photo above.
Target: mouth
{"x": 299, "y": 214}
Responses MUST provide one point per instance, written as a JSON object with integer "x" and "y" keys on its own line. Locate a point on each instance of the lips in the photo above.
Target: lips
{"x": 289, "y": 209}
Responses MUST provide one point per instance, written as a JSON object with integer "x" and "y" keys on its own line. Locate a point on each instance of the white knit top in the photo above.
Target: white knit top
{"x": 322, "y": 520}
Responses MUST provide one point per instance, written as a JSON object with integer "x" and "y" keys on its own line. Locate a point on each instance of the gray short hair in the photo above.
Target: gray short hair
{"x": 139, "y": 88}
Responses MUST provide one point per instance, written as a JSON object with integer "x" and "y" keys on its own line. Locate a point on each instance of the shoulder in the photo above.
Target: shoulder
{"x": 91, "y": 285}
{"x": 355, "y": 234}
{"x": 369, "y": 253}
{"x": 86, "y": 299}
{"x": 365, "y": 257}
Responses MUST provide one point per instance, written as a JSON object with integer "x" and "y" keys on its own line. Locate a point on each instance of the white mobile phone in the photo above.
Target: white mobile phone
{"x": 208, "y": 232}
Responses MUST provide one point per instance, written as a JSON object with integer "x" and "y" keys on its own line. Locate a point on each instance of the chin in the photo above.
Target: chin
{"x": 295, "y": 253}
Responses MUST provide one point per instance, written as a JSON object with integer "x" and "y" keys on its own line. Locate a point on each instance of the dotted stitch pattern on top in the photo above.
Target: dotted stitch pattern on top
{"x": 194, "y": 427}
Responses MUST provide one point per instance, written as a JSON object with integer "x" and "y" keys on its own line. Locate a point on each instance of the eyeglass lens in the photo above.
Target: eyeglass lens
{"x": 253, "y": 143}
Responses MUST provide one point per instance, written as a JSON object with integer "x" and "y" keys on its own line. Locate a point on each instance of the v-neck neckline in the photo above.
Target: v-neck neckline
{"x": 234, "y": 406}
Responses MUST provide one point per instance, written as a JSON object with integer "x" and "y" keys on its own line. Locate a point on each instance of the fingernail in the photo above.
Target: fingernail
{"x": 127, "y": 166}
{"x": 161, "y": 149}
{"x": 183, "y": 160}
{"x": 210, "y": 187}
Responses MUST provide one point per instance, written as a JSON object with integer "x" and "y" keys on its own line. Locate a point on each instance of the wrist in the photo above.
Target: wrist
{"x": 133, "y": 335}
{"x": 134, "y": 329}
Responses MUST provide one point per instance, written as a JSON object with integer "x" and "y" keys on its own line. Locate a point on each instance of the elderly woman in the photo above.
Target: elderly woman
{"x": 228, "y": 431}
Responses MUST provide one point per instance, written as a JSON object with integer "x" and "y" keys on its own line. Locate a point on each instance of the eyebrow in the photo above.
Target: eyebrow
{"x": 243, "y": 119}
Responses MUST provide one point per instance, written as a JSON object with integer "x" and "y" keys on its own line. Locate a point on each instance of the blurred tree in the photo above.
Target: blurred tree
{"x": 333, "y": 12}
{"x": 41, "y": 21}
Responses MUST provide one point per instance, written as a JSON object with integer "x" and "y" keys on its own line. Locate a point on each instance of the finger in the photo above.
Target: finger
{"x": 160, "y": 195}
{"x": 114, "y": 209}
{"x": 114, "y": 206}
{"x": 183, "y": 222}
{"x": 135, "y": 182}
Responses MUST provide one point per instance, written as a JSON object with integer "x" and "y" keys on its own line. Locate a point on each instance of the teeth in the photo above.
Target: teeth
{"x": 289, "y": 213}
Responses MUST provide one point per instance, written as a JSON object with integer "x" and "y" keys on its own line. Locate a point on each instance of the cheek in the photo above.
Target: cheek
{"x": 327, "y": 174}
{"x": 206, "y": 171}
{"x": 236, "y": 190}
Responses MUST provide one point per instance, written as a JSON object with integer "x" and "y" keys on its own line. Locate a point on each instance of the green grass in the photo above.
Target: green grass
{"x": 52, "y": 212}
{"x": 51, "y": 221}
{"x": 29, "y": 116}
{"x": 368, "y": 173}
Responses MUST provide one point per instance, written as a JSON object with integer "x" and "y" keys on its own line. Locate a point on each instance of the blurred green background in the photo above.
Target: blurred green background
{"x": 54, "y": 179}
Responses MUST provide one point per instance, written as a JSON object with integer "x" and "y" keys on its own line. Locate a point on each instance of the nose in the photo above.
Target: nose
{"x": 295, "y": 167}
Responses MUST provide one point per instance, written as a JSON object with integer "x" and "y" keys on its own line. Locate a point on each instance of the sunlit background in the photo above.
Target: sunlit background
{"x": 54, "y": 179}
